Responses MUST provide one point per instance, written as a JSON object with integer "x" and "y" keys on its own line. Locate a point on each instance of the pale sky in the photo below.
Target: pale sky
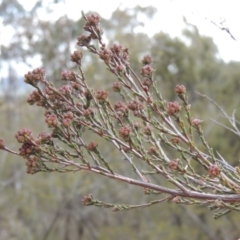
{"x": 168, "y": 18}
{"x": 170, "y": 14}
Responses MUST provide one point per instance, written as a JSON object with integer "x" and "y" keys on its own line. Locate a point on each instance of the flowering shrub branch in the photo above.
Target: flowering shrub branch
{"x": 143, "y": 127}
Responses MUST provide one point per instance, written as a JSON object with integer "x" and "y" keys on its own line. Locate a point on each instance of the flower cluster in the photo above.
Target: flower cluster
{"x": 67, "y": 119}
{"x": 50, "y": 94}
{"x": 135, "y": 105}
{"x": 213, "y": 170}
{"x": 91, "y": 21}
{"x": 51, "y": 120}
{"x": 68, "y": 76}
{"x": 91, "y": 26}
{"x": 27, "y": 149}
{"x": 44, "y": 138}
{"x": 105, "y": 55}
{"x": 32, "y": 164}
{"x": 120, "y": 52}
{"x": 35, "y": 97}
{"x": 65, "y": 90}
{"x": 88, "y": 112}
{"x": 173, "y": 164}
{"x": 152, "y": 150}
{"x": 146, "y": 82}
{"x": 31, "y": 148}
{"x": 173, "y": 108}
{"x": 180, "y": 89}
{"x": 87, "y": 200}
{"x": 147, "y": 71}
{"x": 76, "y": 57}
{"x": 24, "y": 136}
{"x": 124, "y": 132}
{"x": 101, "y": 96}
{"x": 92, "y": 146}
{"x": 175, "y": 140}
{"x": 146, "y": 60}
{"x": 196, "y": 122}
{"x": 34, "y": 77}
{"x": 83, "y": 40}
{"x": 121, "y": 108}
{"x": 117, "y": 86}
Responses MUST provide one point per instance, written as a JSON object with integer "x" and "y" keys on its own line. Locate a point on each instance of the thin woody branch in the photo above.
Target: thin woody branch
{"x": 143, "y": 128}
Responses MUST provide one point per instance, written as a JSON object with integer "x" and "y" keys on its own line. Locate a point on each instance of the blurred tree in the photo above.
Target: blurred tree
{"x": 32, "y": 33}
{"x": 49, "y": 207}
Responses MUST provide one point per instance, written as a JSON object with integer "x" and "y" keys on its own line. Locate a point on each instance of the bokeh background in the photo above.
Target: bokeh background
{"x": 43, "y": 34}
